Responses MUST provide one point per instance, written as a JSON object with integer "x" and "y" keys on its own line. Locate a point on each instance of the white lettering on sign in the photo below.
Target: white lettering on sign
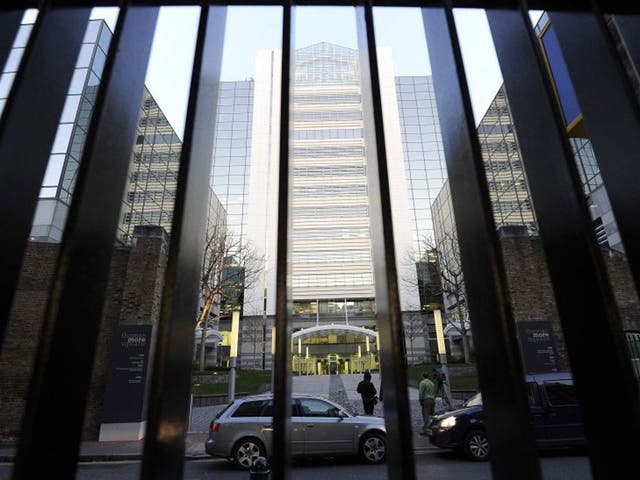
{"x": 132, "y": 340}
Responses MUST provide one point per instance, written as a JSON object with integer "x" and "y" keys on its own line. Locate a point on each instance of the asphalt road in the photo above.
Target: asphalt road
{"x": 431, "y": 465}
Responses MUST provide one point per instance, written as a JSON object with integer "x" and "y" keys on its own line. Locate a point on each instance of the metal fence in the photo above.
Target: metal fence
{"x": 633, "y": 341}
{"x": 594, "y": 340}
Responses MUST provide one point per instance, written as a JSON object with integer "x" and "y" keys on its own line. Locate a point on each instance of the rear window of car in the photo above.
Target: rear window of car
{"x": 561, "y": 393}
{"x": 219, "y": 414}
{"x": 252, "y": 408}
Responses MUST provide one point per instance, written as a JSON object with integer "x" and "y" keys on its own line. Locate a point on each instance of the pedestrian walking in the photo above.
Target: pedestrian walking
{"x": 368, "y": 392}
{"x": 426, "y": 396}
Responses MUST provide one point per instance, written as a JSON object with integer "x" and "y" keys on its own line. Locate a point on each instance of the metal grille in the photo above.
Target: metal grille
{"x": 633, "y": 341}
{"x": 576, "y": 267}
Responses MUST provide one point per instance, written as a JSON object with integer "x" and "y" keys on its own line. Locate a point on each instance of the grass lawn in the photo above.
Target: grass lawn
{"x": 458, "y": 382}
{"x": 247, "y": 381}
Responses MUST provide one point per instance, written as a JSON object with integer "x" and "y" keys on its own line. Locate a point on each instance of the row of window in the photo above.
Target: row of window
{"x": 330, "y": 99}
{"x": 356, "y": 211}
{"x": 501, "y": 185}
{"x": 330, "y": 171}
{"x": 168, "y": 176}
{"x": 332, "y": 256}
{"x": 507, "y": 205}
{"x": 498, "y": 110}
{"x": 304, "y": 407}
{"x": 157, "y": 157}
{"x": 333, "y": 307}
{"x": 325, "y": 152}
{"x": 233, "y": 129}
{"x": 330, "y": 190}
{"x": 330, "y": 233}
{"x": 495, "y": 128}
{"x": 147, "y": 218}
{"x": 331, "y": 116}
{"x": 140, "y": 196}
{"x": 322, "y": 134}
{"x": 502, "y": 147}
{"x": 498, "y": 165}
{"x": 333, "y": 279}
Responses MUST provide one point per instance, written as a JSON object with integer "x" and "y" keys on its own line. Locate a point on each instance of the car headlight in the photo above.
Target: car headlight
{"x": 448, "y": 422}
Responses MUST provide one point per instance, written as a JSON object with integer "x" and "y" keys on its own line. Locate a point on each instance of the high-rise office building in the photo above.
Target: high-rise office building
{"x": 508, "y": 187}
{"x": 332, "y": 271}
{"x": 232, "y": 152}
{"x": 60, "y": 177}
{"x": 150, "y": 190}
{"x": 423, "y": 155}
{"x": 506, "y": 179}
{"x": 153, "y": 172}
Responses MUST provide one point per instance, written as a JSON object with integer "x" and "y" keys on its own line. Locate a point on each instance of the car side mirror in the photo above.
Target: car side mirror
{"x": 338, "y": 413}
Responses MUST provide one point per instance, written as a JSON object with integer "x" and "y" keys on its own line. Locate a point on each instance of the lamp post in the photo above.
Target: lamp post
{"x": 233, "y": 353}
{"x": 378, "y": 351}
{"x": 442, "y": 352}
{"x": 299, "y": 356}
{"x": 273, "y": 354}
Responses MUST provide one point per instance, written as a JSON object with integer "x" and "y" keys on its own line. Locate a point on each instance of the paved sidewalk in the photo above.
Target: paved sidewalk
{"x": 339, "y": 388}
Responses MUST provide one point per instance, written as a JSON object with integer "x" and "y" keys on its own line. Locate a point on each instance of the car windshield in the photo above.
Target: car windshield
{"x": 474, "y": 401}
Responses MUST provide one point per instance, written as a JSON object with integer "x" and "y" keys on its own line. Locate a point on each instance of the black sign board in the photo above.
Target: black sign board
{"x": 539, "y": 351}
{"x": 126, "y": 385}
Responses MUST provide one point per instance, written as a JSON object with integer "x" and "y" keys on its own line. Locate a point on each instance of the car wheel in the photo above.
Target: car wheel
{"x": 246, "y": 451}
{"x": 476, "y": 445}
{"x": 373, "y": 448}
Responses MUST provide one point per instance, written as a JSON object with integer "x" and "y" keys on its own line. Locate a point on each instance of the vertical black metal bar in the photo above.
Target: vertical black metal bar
{"x": 74, "y": 311}
{"x": 27, "y": 129}
{"x": 511, "y": 436}
{"x": 592, "y": 329}
{"x": 282, "y": 374}
{"x": 9, "y": 25}
{"x": 171, "y": 383}
{"x": 629, "y": 28}
{"x": 612, "y": 116}
{"x": 400, "y": 461}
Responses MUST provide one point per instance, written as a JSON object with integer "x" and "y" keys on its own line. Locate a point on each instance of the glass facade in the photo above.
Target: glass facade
{"x": 423, "y": 155}
{"x": 508, "y": 187}
{"x": 66, "y": 153}
{"x": 150, "y": 192}
{"x": 232, "y": 152}
{"x": 506, "y": 179}
{"x": 153, "y": 173}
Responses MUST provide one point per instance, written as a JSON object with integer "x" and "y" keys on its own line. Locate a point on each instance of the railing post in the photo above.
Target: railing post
{"x": 500, "y": 369}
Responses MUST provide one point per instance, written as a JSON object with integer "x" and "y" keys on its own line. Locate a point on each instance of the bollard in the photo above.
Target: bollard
{"x": 260, "y": 469}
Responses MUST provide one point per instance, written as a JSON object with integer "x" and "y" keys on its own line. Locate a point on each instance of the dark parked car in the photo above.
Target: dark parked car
{"x": 553, "y": 406}
{"x": 242, "y": 431}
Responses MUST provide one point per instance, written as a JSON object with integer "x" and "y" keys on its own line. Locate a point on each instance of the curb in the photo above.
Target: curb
{"x": 133, "y": 457}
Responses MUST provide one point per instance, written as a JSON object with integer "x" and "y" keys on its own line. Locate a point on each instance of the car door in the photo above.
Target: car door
{"x": 296, "y": 428}
{"x": 326, "y": 432}
{"x": 563, "y": 422}
{"x": 537, "y": 411}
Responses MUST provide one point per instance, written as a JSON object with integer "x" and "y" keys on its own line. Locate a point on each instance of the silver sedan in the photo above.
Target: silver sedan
{"x": 242, "y": 431}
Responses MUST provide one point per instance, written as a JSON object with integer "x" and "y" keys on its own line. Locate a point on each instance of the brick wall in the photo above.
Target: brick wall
{"x": 530, "y": 286}
{"x": 133, "y": 297}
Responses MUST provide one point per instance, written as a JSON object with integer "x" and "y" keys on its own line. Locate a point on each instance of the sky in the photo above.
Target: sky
{"x": 250, "y": 29}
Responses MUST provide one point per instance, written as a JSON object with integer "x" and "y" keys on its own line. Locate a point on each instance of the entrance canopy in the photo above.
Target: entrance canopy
{"x": 214, "y": 337}
{"x": 333, "y": 328}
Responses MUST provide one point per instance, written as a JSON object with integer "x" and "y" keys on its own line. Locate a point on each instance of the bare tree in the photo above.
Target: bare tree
{"x": 445, "y": 258}
{"x": 230, "y": 266}
{"x": 253, "y": 333}
{"x": 413, "y": 327}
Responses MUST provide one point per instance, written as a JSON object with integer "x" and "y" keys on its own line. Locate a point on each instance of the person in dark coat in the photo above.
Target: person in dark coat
{"x": 367, "y": 391}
